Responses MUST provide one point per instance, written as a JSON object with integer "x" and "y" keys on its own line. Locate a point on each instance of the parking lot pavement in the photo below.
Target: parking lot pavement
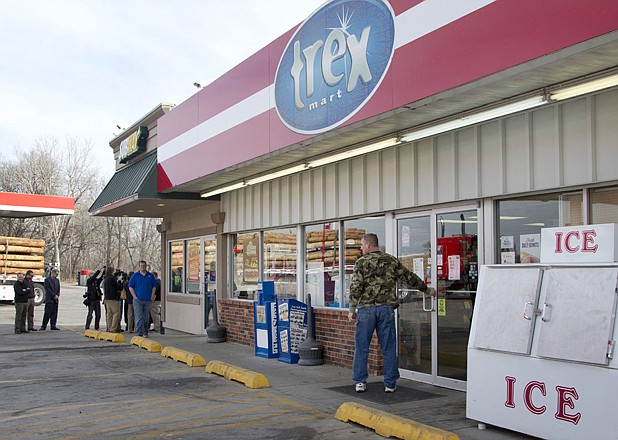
{"x": 65, "y": 385}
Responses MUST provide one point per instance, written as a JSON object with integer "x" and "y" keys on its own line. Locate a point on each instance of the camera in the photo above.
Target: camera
{"x": 121, "y": 276}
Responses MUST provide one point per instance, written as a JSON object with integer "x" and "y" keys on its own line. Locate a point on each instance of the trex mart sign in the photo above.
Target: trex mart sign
{"x": 333, "y": 64}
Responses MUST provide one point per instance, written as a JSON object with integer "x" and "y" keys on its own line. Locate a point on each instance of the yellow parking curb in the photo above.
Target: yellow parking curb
{"x": 113, "y": 337}
{"x": 388, "y": 425}
{"x": 191, "y": 359}
{"x": 148, "y": 344}
{"x": 94, "y": 334}
{"x": 231, "y": 372}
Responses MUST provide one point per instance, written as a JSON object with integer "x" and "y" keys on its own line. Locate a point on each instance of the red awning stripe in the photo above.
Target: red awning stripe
{"x": 36, "y": 203}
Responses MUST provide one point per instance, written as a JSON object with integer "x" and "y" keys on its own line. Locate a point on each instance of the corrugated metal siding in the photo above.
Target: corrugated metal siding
{"x": 573, "y": 143}
{"x": 605, "y": 126}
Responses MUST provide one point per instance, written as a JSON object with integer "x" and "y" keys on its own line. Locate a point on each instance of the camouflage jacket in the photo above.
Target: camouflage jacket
{"x": 374, "y": 280}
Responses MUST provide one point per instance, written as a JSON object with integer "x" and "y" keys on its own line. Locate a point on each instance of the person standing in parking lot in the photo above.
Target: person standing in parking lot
{"x": 52, "y": 296}
{"x": 22, "y": 290}
{"x": 143, "y": 287}
{"x": 93, "y": 293}
{"x": 112, "y": 288}
{"x": 30, "y": 314}
{"x": 155, "y": 309}
{"x": 129, "y": 315}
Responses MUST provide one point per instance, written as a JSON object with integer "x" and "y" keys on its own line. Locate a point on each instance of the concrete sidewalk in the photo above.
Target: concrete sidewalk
{"x": 327, "y": 387}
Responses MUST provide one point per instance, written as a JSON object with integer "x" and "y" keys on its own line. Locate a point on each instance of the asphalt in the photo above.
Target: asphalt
{"x": 324, "y": 388}
{"x": 328, "y": 387}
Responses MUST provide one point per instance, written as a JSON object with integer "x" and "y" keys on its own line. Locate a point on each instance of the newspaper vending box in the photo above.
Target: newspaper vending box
{"x": 541, "y": 348}
{"x": 292, "y": 327}
{"x": 265, "y": 321}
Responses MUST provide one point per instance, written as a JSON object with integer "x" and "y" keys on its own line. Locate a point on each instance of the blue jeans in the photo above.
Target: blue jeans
{"x": 142, "y": 316}
{"x": 382, "y": 320}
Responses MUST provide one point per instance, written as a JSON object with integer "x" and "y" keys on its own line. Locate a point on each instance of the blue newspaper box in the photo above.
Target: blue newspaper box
{"x": 265, "y": 321}
{"x": 292, "y": 327}
{"x": 266, "y": 292}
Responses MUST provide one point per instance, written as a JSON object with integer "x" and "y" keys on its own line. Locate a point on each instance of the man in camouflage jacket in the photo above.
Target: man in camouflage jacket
{"x": 373, "y": 292}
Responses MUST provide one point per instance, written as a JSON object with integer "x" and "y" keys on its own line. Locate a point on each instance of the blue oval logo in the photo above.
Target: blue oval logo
{"x": 333, "y": 64}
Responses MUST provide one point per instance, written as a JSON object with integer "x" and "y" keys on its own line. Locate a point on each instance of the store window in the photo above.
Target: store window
{"x": 604, "y": 205}
{"x": 185, "y": 265}
{"x": 193, "y": 266}
{"x": 322, "y": 264}
{"x": 210, "y": 265}
{"x": 246, "y": 263}
{"x": 280, "y": 261}
{"x": 177, "y": 264}
{"x": 210, "y": 276}
{"x": 520, "y": 222}
{"x": 353, "y": 233}
{"x": 325, "y": 254}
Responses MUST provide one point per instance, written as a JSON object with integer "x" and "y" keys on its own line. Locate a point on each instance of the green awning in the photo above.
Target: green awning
{"x": 132, "y": 191}
{"x": 137, "y": 179}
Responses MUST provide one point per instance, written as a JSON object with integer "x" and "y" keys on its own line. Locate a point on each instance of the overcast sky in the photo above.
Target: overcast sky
{"x": 78, "y": 68}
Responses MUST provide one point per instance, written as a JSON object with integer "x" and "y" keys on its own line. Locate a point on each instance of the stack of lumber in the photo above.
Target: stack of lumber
{"x": 177, "y": 256}
{"x": 21, "y": 254}
{"x": 280, "y": 250}
{"x": 210, "y": 254}
{"x": 323, "y": 246}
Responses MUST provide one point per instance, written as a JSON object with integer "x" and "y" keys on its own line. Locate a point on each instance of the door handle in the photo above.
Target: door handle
{"x": 403, "y": 293}
{"x": 526, "y": 304}
{"x": 432, "y": 303}
{"x": 546, "y": 308}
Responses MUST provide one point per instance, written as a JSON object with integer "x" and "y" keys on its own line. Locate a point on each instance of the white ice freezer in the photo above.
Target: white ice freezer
{"x": 540, "y": 353}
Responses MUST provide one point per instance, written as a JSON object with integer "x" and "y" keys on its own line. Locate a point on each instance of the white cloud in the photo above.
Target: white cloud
{"x": 79, "y": 67}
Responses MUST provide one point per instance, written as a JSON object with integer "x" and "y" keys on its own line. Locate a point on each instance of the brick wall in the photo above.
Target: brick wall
{"x": 336, "y": 334}
{"x": 237, "y": 318}
{"x": 332, "y": 330}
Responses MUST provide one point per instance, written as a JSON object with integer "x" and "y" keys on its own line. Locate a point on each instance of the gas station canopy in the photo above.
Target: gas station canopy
{"x": 34, "y": 205}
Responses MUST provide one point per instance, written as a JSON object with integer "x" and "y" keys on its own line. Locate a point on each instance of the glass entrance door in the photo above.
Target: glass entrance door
{"x": 457, "y": 277}
{"x": 209, "y": 269}
{"x": 414, "y": 317}
{"x": 442, "y": 248}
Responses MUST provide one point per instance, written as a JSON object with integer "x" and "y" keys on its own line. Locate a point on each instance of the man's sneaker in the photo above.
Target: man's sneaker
{"x": 390, "y": 390}
{"x": 361, "y": 387}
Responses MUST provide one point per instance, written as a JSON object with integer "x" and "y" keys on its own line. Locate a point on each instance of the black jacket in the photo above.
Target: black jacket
{"x": 52, "y": 288}
{"x": 22, "y": 290}
{"x": 31, "y": 285}
{"x": 112, "y": 289}
{"x": 93, "y": 287}
{"x": 158, "y": 291}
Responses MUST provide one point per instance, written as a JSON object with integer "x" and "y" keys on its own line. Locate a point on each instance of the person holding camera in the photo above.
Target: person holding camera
{"x": 129, "y": 315}
{"x": 112, "y": 289}
{"x": 93, "y": 297}
{"x": 120, "y": 277}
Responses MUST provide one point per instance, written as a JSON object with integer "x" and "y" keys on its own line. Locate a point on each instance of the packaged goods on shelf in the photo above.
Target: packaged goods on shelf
{"x": 279, "y": 238}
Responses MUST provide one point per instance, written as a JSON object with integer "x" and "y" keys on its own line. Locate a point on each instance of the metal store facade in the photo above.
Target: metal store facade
{"x": 453, "y": 130}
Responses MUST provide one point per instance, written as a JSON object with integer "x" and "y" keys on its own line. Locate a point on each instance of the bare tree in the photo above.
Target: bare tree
{"x": 79, "y": 241}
